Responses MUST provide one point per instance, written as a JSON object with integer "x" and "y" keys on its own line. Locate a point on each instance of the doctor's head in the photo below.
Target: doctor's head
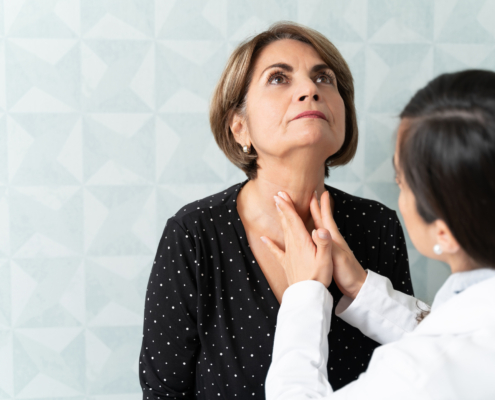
{"x": 445, "y": 162}
{"x": 285, "y": 96}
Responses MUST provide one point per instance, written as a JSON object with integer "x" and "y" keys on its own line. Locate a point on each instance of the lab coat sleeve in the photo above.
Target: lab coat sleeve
{"x": 300, "y": 354}
{"x": 379, "y": 311}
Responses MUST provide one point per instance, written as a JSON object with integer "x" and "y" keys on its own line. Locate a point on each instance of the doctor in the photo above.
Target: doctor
{"x": 445, "y": 165}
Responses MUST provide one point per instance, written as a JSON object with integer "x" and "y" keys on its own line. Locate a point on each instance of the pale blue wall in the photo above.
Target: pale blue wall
{"x": 104, "y": 134}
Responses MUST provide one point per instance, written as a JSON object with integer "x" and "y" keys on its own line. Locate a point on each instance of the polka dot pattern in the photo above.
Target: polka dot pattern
{"x": 210, "y": 314}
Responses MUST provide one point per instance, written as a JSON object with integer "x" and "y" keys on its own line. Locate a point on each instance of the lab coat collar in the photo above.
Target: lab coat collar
{"x": 470, "y": 310}
{"x": 460, "y": 281}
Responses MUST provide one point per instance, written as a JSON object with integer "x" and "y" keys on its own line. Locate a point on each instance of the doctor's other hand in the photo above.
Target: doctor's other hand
{"x": 348, "y": 273}
{"x": 306, "y": 257}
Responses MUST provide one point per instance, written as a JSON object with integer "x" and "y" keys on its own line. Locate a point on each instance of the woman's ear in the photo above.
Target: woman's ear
{"x": 445, "y": 238}
{"x": 238, "y": 126}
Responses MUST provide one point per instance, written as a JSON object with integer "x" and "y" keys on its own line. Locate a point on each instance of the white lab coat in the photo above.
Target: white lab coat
{"x": 449, "y": 355}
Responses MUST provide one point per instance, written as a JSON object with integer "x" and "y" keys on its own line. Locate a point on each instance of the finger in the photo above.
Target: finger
{"x": 287, "y": 198}
{"x": 290, "y": 203}
{"x": 316, "y": 211}
{"x": 293, "y": 222}
{"x": 283, "y": 219}
{"x": 328, "y": 221}
{"x": 323, "y": 241}
{"x": 274, "y": 249}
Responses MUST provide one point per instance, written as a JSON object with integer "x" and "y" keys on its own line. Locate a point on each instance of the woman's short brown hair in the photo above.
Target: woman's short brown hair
{"x": 230, "y": 93}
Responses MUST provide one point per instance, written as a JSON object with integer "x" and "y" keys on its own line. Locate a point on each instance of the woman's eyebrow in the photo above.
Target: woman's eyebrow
{"x": 285, "y": 67}
{"x": 320, "y": 67}
{"x": 288, "y": 68}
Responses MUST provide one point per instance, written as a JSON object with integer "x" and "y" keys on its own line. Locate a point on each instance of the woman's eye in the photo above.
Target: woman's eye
{"x": 277, "y": 79}
{"x": 324, "y": 78}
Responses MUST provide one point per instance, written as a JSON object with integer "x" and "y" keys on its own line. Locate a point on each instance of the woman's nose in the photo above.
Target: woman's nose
{"x": 315, "y": 97}
{"x": 307, "y": 91}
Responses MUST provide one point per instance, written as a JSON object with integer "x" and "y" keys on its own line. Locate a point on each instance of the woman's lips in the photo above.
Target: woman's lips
{"x": 311, "y": 114}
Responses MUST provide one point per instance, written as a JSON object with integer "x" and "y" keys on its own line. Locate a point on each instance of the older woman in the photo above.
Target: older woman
{"x": 283, "y": 112}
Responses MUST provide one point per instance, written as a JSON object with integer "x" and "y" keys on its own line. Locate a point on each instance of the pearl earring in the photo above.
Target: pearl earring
{"x": 245, "y": 149}
{"x": 437, "y": 249}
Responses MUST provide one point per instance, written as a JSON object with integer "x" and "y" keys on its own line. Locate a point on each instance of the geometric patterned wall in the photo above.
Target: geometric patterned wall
{"x": 104, "y": 134}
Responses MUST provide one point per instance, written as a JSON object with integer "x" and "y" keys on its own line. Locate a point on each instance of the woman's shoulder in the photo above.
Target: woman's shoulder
{"x": 360, "y": 205}
{"x": 205, "y": 207}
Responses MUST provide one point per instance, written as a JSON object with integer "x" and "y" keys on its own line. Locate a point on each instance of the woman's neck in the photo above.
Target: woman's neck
{"x": 257, "y": 206}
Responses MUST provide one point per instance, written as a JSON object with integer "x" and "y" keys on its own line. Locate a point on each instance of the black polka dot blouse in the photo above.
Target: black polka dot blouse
{"x": 210, "y": 314}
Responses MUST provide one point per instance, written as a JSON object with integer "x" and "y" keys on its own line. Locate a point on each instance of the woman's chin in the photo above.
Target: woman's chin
{"x": 313, "y": 137}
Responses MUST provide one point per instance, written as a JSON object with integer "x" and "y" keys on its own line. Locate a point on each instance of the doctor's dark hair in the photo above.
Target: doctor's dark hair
{"x": 447, "y": 157}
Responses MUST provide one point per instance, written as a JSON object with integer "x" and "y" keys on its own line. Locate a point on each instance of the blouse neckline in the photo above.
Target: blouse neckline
{"x": 242, "y": 233}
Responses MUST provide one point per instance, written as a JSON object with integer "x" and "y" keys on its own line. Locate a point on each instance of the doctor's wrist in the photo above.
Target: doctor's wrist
{"x": 358, "y": 284}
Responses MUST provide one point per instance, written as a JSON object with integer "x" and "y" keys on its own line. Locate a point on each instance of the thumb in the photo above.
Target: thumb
{"x": 322, "y": 239}
{"x": 274, "y": 249}
{"x": 324, "y": 261}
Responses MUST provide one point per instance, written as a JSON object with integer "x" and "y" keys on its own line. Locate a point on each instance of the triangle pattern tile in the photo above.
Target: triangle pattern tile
{"x": 35, "y": 19}
{"x": 31, "y": 219}
{"x": 48, "y": 283}
{"x": 403, "y": 61}
{"x": 5, "y": 294}
{"x": 186, "y": 165}
{"x": 412, "y": 16}
{"x": 462, "y": 25}
{"x": 115, "y": 234}
{"x": 60, "y": 80}
{"x": 121, "y": 60}
{"x": 133, "y": 17}
{"x": 185, "y": 21}
{"x": 4, "y": 172}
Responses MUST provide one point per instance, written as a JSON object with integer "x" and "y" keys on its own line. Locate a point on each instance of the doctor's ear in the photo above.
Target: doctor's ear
{"x": 238, "y": 126}
{"x": 445, "y": 238}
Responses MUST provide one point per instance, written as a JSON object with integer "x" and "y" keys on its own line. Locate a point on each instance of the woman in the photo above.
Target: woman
{"x": 445, "y": 163}
{"x": 283, "y": 112}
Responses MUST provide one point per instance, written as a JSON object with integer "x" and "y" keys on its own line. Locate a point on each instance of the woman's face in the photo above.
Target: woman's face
{"x": 289, "y": 78}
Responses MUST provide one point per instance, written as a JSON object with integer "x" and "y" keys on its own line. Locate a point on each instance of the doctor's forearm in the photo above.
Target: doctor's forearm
{"x": 379, "y": 311}
{"x": 300, "y": 354}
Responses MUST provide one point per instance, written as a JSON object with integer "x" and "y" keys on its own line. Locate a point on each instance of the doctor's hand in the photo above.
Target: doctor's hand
{"x": 306, "y": 257}
{"x": 348, "y": 273}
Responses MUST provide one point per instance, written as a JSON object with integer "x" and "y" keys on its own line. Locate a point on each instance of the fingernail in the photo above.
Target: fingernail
{"x": 263, "y": 239}
{"x": 313, "y": 233}
{"x": 322, "y": 235}
{"x": 276, "y": 199}
{"x": 283, "y": 195}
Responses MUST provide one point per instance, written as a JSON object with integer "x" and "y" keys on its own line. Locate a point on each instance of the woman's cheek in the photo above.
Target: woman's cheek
{"x": 340, "y": 120}
{"x": 401, "y": 203}
{"x": 415, "y": 226}
{"x": 268, "y": 114}
{"x": 404, "y": 208}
